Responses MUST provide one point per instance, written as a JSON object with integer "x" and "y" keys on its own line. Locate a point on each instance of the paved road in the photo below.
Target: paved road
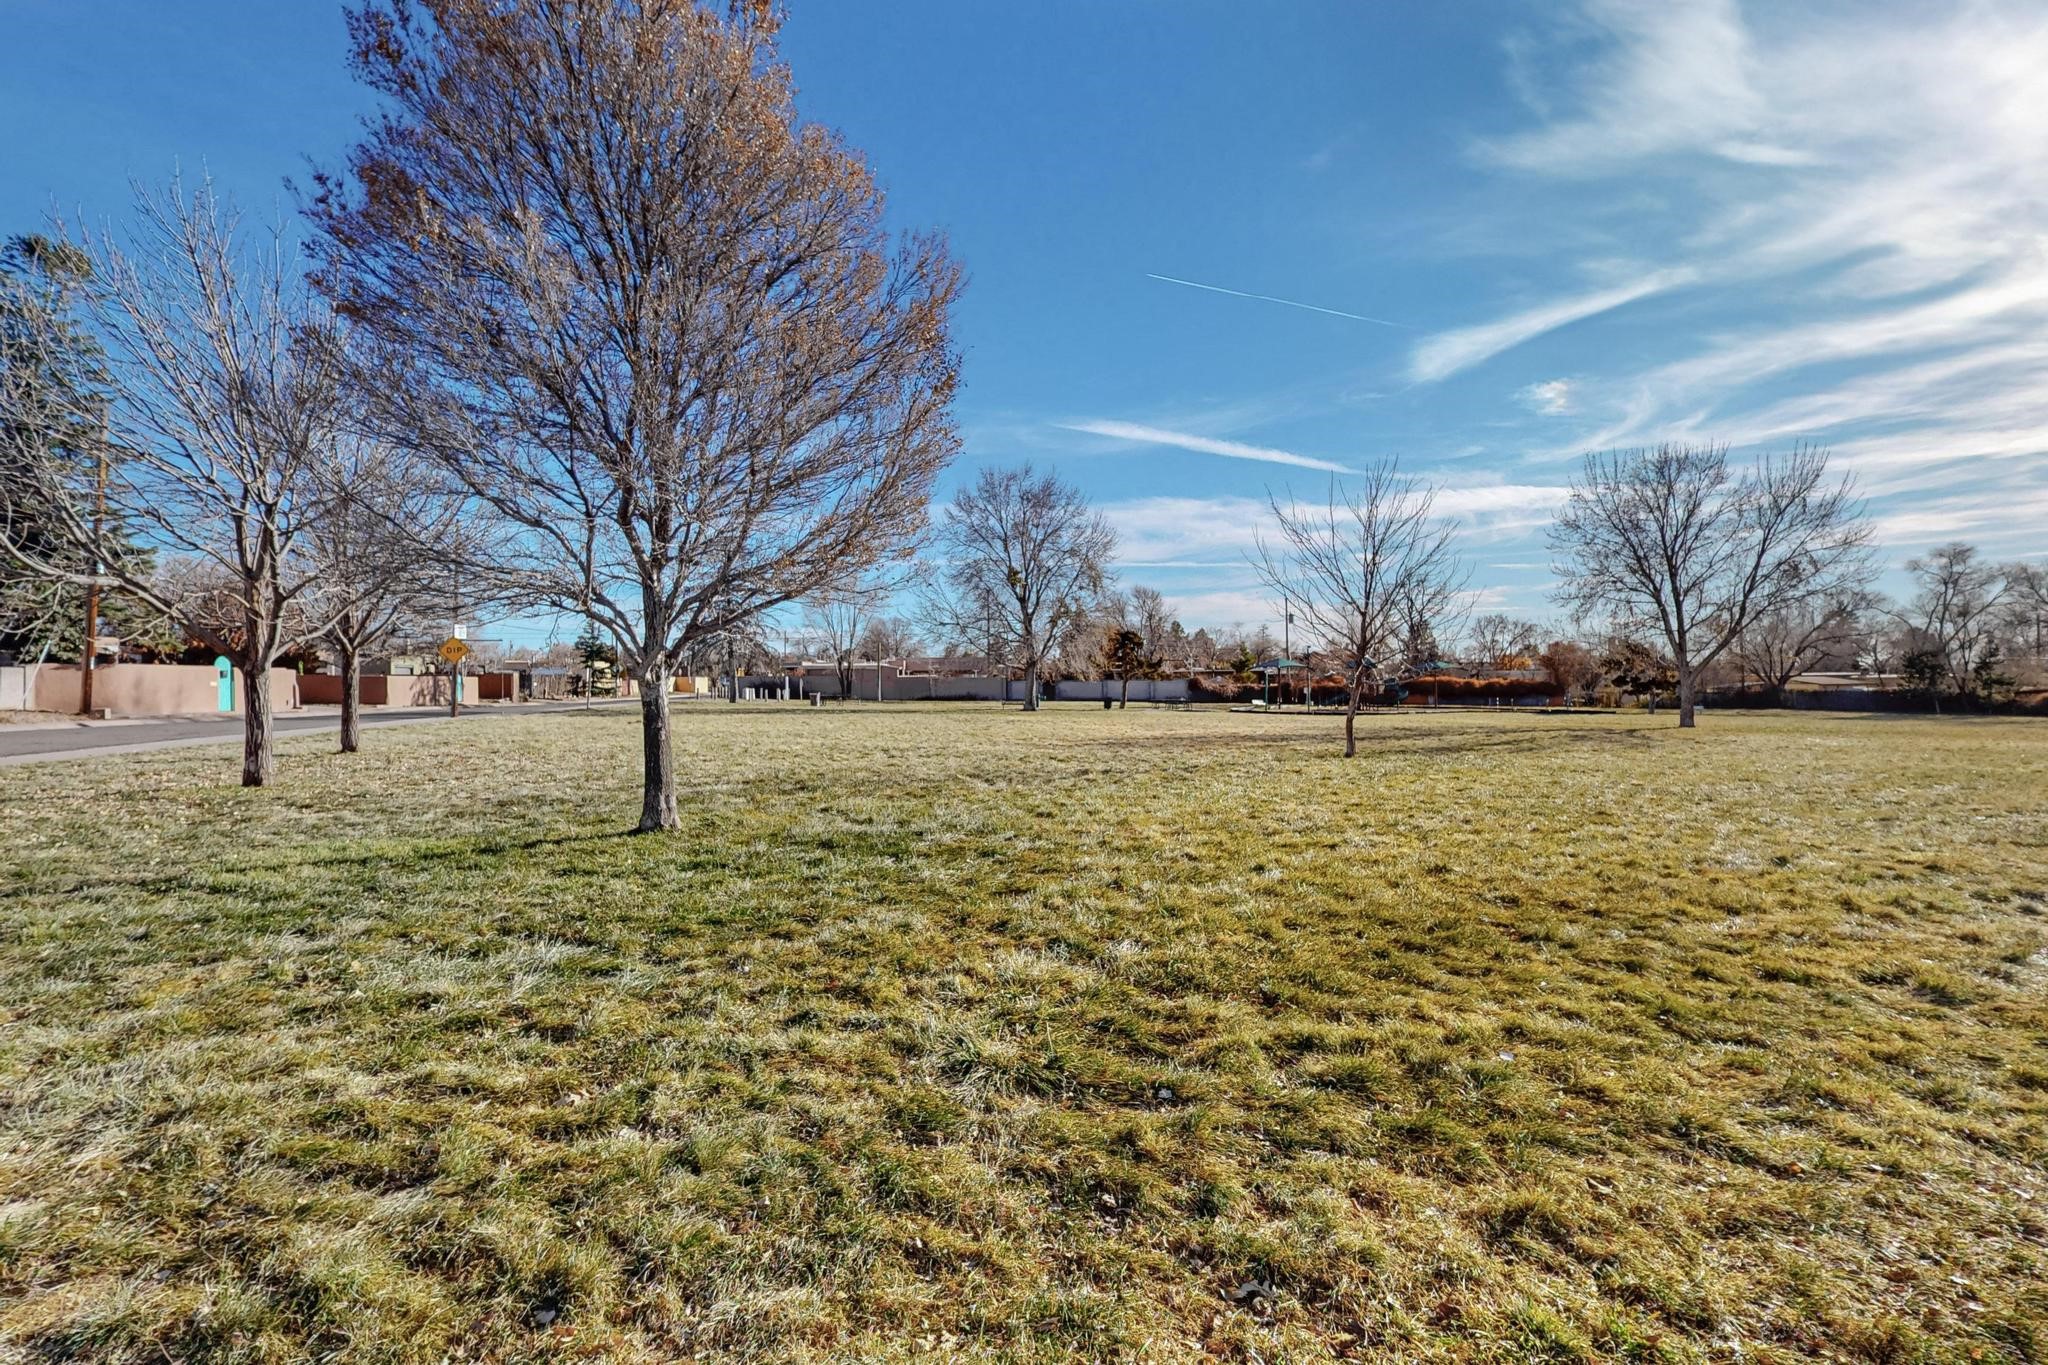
{"x": 89, "y": 739}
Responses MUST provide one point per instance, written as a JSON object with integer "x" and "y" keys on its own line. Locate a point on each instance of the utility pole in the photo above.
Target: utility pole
{"x": 89, "y": 655}
{"x": 454, "y": 633}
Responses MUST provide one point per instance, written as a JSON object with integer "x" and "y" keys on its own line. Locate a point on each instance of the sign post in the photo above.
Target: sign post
{"x": 453, "y": 652}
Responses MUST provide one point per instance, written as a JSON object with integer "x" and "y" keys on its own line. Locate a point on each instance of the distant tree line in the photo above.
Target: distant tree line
{"x": 594, "y": 324}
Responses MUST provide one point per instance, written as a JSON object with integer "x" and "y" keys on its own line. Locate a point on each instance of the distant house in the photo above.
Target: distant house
{"x": 1845, "y": 682}
{"x": 914, "y": 665}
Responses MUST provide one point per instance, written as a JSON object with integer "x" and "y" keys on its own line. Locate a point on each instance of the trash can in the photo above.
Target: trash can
{"x": 1108, "y": 703}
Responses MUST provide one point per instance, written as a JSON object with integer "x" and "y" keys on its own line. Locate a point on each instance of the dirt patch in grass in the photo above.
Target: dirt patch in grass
{"x": 951, "y": 1033}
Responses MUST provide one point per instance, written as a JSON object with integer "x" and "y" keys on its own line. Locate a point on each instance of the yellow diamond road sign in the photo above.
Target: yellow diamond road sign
{"x": 453, "y": 651}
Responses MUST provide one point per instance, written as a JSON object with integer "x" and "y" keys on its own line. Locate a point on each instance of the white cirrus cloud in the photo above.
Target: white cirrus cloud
{"x": 1250, "y": 606}
{"x": 1171, "y": 530}
{"x": 1551, "y": 398}
{"x": 1140, "y": 434}
{"x": 1444, "y": 354}
{"x": 1218, "y": 535}
{"x": 1496, "y": 503}
{"x": 1872, "y": 271}
{"x": 1673, "y": 77}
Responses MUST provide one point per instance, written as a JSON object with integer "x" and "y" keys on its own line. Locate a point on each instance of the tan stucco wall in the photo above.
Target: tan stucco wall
{"x": 154, "y": 689}
{"x": 408, "y": 689}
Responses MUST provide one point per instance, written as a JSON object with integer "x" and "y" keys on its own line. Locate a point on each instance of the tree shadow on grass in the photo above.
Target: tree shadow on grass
{"x": 1405, "y": 738}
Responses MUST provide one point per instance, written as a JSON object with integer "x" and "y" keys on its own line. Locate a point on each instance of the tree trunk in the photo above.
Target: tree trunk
{"x": 351, "y": 699}
{"x": 1031, "y": 686}
{"x": 1351, "y": 716}
{"x": 658, "y": 768}
{"x": 1688, "y": 689}
{"x": 258, "y": 763}
{"x": 1124, "y": 705}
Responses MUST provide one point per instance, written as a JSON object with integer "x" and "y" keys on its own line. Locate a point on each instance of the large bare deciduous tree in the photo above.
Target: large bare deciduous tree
{"x": 1956, "y": 611}
{"x": 651, "y": 322}
{"x": 835, "y": 620}
{"x": 224, "y": 403}
{"x": 1780, "y": 645}
{"x": 1497, "y": 640}
{"x": 1670, "y": 539}
{"x": 1150, "y": 617}
{"x": 2026, "y": 612}
{"x": 1369, "y": 571}
{"x": 888, "y": 636}
{"x": 1025, "y": 557}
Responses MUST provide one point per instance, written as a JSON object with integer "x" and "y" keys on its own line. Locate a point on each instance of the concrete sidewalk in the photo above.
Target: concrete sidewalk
{"x": 49, "y": 742}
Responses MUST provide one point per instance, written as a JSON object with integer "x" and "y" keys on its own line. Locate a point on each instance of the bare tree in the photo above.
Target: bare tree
{"x": 1365, "y": 569}
{"x": 1025, "y": 558}
{"x": 1149, "y": 616}
{"x": 386, "y": 527}
{"x": 1958, "y": 602}
{"x": 1574, "y": 670}
{"x": 2026, "y": 613}
{"x": 1669, "y": 539}
{"x": 224, "y": 409}
{"x": 1780, "y": 645}
{"x": 1082, "y": 648}
{"x": 889, "y": 637}
{"x": 836, "y": 619}
{"x": 1497, "y": 640}
{"x": 652, "y": 323}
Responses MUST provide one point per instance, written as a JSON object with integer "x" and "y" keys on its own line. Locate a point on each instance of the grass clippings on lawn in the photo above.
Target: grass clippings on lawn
{"x": 955, "y": 1033}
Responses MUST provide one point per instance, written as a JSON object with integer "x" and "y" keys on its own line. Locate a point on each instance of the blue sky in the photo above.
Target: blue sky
{"x": 1519, "y": 231}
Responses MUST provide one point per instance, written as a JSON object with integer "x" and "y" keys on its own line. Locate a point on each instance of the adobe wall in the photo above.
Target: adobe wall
{"x": 408, "y": 689}
{"x": 154, "y": 689}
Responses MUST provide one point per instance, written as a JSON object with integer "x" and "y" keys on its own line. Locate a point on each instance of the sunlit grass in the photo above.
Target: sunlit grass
{"x": 958, "y": 1033}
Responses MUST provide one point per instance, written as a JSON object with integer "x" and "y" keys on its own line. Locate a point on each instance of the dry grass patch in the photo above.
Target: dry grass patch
{"x": 949, "y": 1033}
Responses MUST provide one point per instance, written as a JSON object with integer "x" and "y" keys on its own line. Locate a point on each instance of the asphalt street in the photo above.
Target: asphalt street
{"x": 90, "y": 739}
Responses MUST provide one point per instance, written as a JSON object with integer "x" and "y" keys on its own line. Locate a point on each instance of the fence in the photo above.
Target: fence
{"x": 936, "y": 687}
{"x": 1903, "y": 700}
{"x": 155, "y": 690}
{"x": 894, "y": 687}
{"x": 15, "y": 688}
{"x": 407, "y": 689}
{"x": 1142, "y": 689}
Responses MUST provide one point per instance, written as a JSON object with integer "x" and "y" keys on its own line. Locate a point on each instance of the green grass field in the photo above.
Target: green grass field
{"x": 964, "y": 1034}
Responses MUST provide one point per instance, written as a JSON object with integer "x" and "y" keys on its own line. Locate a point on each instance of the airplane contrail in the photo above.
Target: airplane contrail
{"x": 1268, "y": 298}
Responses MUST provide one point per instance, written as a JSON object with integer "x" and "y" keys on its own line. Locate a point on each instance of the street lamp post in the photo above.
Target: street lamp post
{"x": 1286, "y": 640}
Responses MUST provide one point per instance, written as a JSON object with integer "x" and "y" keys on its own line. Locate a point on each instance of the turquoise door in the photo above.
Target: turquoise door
{"x": 224, "y": 676}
